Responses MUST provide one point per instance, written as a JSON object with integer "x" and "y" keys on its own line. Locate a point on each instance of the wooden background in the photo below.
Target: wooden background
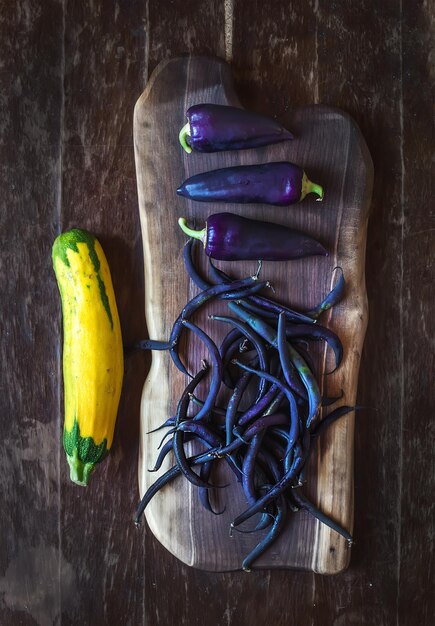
{"x": 70, "y": 73}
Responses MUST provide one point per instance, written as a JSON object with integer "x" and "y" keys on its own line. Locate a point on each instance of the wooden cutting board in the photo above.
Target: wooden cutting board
{"x": 330, "y": 147}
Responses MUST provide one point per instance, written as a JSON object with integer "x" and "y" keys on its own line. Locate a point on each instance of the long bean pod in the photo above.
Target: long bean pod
{"x": 294, "y": 417}
{"x": 287, "y": 355}
{"x": 233, "y": 405}
{"x": 178, "y": 438}
{"x": 316, "y": 331}
{"x": 246, "y": 285}
{"x": 253, "y": 338}
{"x": 334, "y": 296}
{"x": 216, "y": 369}
{"x": 284, "y": 483}
{"x": 305, "y": 504}
{"x": 270, "y": 538}
{"x": 190, "y": 266}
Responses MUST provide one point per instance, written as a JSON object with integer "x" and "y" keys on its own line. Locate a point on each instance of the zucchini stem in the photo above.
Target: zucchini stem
{"x": 79, "y": 471}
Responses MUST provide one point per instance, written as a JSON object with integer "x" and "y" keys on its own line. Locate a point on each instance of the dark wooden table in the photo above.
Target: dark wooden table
{"x": 70, "y": 74}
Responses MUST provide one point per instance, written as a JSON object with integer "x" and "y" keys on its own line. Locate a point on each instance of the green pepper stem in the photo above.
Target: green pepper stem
{"x": 196, "y": 234}
{"x": 185, "y": 132}
{"x": 310, "y": 187}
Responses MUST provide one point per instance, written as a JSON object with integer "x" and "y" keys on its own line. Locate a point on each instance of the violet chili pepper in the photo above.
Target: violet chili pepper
{"x": 230, "y": 237}
{"x": 280, "y": 183}
{"x": 216, "y": 127}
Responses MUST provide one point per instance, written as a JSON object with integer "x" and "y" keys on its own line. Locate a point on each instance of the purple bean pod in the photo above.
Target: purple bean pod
{"x": 316, "y": 331}
{"x": 333, "y": 297}
{"x": 271, "y": 537}
{"x": 258, "y": 407}
{"x": 233, "y": 405}
{"x": 202, "y": 431}
{"x": 227, "y": 356}
{"x": 284, "y": 483}
{"x": 305, "y": 504}
{"x": 261, "y": 305}
{"x": 245, "y": 285}
{"x": 254, "y": 339}
{"x": 178, "y": 438}
{"x": 204, "y": 494}
{"x": 216, "y": 370}
{"x": 248, "y": 470}
{"x": 294, "y": 416}
{"x": 191, "y": 268}
{"x": 331, "y": 418}
{"x": 289, "y": 356}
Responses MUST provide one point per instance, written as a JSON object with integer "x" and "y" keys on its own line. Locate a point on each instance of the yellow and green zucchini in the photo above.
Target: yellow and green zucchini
{"x": 93, "y": 362}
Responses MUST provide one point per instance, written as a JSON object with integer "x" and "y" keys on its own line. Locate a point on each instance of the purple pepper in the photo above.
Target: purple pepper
{"x": 216, "y": 127}
{"x": 280, "y": 183}
{"x": 230, "y": 237}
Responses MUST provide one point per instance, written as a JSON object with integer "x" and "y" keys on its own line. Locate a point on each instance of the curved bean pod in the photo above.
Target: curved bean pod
{"x": 204, "y": 495}
{"x": 287, "y": 355}
{"x": 333, "y": 297}
{"x": 178, "y": 438}
{"x": 259, "y": 406}
{"x": 204, "y": 433}
{"x": 294, "y": 417}
{"x": 233, "y": 405}
{"x": 284, "y": 483}
{"x": 260, "y": 304}
{"x": 316, "y": 331}
{"x": 216, "y": 369}
{"x": 190, "y": 266}
{"x": 248, "y": 469}
{"x": 331, "y": 418}
{"x": 305, "y": 504}
{"x": 235, "y": 289}
{"x": 253, "y": 338}
{"x": 271, "y": 536}
{"x": 163, "y": 480}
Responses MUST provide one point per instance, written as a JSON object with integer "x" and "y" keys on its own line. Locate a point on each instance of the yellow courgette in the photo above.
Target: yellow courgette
{"x": 93, "y": 363}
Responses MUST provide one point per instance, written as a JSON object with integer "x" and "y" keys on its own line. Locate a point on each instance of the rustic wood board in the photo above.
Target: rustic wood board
{"x": 331, "y": 149}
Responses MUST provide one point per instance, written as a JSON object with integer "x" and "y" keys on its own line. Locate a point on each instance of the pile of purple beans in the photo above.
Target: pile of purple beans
{"x": 265, "y": 356}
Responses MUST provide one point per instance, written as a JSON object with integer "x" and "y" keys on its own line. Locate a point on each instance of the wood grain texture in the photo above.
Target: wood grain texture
{"x": 372, "y": 59}
{"x": 65, "y": 161}
{"x": 30, "y": 113}
{"x": 417, "y": 346}
{"x": 175, "y": 517}
{"x": 105, "y": 40}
